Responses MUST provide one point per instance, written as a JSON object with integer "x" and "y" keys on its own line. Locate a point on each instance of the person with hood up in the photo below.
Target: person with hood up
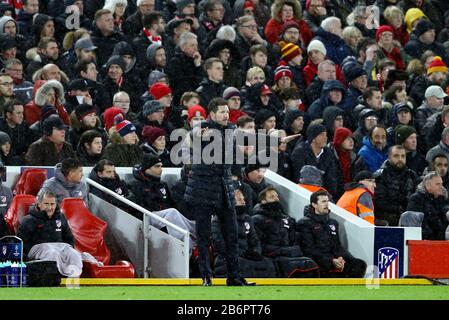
{"x": 123, "y": 147}
{"x": 427, "y": 8}
{"x": 225, "y": 50}
{"x": 348, "y": 163}
{"x": 89, "y": 149}
{"x": 155, "y": 60}
{"x": 52, "y": 147}
{"x": 9, "y": 26}
{"x": 284, "y": 11}
{"x": 395, "y": 183}
{"x": 6, "y": 156}
{"x": 154, "y": 195}
{"x": 374, "y": 151}
{"x": 294, "y": 125}
{"x": 332, "y": 94}
{"x": 260, "y": 96}
{"x": 320, "y": 240}
{"x": 358, "y": 198}
{"x": 401, "y": 114}
{"x": 131, "y": 72}
{"x": 333, "y": 118}
{"x": 367, "y": 121}
{"x": 46, "y": 93}
{"x": 67, "y": 181}
{"x": 154, "y": 143}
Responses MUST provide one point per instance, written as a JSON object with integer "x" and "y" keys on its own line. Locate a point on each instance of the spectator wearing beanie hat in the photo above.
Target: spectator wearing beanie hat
{"x": 162, "y": 93}
{"x": 109, "y": 115}
{"x": 123, "y": 148}
{"x": 232, "y": 96}
{"x": 311, "y": 178}
{"x": 349, "y": 164}
{"x": 314, "y": 152}
{"x": 425, "y": 40}
{"x": 254, "y": 177}
{"x": 195, "y": 113}
{"x": 265, "y": 119}
{"x": 155, "y": 144}
{"x": 294, "y": 124}
{"x": 283, "y": 77}
{"x": 316, "y": 52}
{"x": 292, "y": 55}
{"x": 406, "y": 136}
{"x": 152, "y": 114}
{"x": 387, "y": 49}
{"x": 83, "y": 118}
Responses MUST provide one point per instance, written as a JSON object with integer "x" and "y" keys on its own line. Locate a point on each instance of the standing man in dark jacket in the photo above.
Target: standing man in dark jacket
{"x": 431, "y": 199}
{"x": 184, "y": 69}
{"x": 320, "y": 241}
{"x": 314, "y": 152}
{"x": 133, "y": 25}
{"x": 395, "y": 183}
{"x": 210, "y": 190}
{"x": 212, "y": 86}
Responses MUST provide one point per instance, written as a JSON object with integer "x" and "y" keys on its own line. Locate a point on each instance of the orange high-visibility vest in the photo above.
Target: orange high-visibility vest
{"x": 310, "y": 187}
{"x": 350, "y": 202}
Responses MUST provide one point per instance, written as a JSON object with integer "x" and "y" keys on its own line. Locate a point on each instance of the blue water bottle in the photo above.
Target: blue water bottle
{"x": 23, "y": 269}
{"x": 14, "y": 275}
{"x": 2, "y": 277}
{"x": 7, "y": 272}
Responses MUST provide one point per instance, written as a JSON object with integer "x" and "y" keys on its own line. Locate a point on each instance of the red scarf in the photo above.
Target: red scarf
{"x": 395, "y": 56}
{"x": 152, "y": 39}
{"x": 345, "y": 163}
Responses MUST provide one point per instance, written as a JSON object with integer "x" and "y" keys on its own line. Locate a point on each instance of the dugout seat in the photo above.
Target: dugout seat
{"x": 30, "y": 181}
{"x": 19, "y": 208}
{"x": 89, "y": 231}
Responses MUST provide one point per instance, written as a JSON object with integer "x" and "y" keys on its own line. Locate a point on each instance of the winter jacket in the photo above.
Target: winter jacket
{"x": 177, "y": 192}
{"x": 276, "y": 231}
{"x": 163, "y": 155}
{"x": 63, "y": 188}
{"x": 43, "y": 152}
{"x": 211, "y": 184}
{"x": 313, "y": 91}
{"x": 424, "y": 114}
{"x": 358, "y": 201}
{"x": 320, "y": 240}
{"x": 415, "y": 49}
{"x": 24, "y": 23}
{"x": 37, "y": 228}
{"x": 432, "y": 130}
{"x": 336, "y": 47}
{"x": 123, "y": 155}
{"x": 441, "y": 148}
{"x": 303, "y": 155}
{"x": 133, "y": 24}
{"x": 209, "y": 89}
{"x": 373, "y": 157}
{"x": 105, "y": 45}
{"x": 393, "y": 189}
{"x": 315, "y": 111}
{"x": 418, "y": 89}
{"x": 435, "y": 221}
{"x": 21, "y": 137}
{"x": 149, "y": 192}
{"x": 427, "y": 8}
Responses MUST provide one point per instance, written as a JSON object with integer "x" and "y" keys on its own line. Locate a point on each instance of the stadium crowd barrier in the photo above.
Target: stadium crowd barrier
{"x": 384, "y": 249}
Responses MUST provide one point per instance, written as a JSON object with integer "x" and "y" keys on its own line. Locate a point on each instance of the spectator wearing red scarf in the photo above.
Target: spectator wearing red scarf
{"x": 387, "y": 49}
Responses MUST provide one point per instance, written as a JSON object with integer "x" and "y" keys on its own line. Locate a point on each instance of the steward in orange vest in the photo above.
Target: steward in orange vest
{"x": 358, "y": 196}
{"x": 311, "y": 178}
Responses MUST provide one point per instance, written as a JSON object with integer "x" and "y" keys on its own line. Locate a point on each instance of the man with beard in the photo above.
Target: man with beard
{"x": 395, "y": 184}
{"x": 374, "y": 150}
{"x": 439, "y": 163}
{"x": 6, "y": 90}
{"x": 254, "y": 177}
{"x": 321, "y": 242}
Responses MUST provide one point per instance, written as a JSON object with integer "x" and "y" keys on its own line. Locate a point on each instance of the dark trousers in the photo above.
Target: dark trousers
{"x": 228, "y": 226}
{"x": 354, "y": 268}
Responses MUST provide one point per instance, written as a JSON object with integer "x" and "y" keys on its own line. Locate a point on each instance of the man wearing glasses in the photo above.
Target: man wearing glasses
{"x": 247, "y": 35}
{"x": 213, "y": 15}
{"x": 23, "y": 89}
{"x": 6, "y": 90}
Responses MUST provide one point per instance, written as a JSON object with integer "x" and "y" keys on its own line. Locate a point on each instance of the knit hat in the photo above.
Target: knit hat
{"x": 411, "y": 16}
{"x": 402, "y": 132}
{"x": 289, "y": 51}
{"x": 382, "y": 29}
{"x": 196, "y": 111}
{"x": 289, "y": 24}
{"x": 291, "y": 116}
{"x": 231, "y": 92}
{"x": 340, "y": 135}
{"x": 52, "y": 122}
{"x": 149, "y": 160}
{"x": 151, "y": 52}
{"x": 318, "y": 46}
{"x": 437, "y": 65}
{"x": 7, "y": 42}
{"x": 314, "y": 130}
{"x": 423, "y": 26}
{"x": 353, "y": 73}
{"x": 150, "y": 134}
{"x": 281, "y": 71}
{"x": 117, "y": 60}
{"x": 123, "y": 126}
{"x": 363, "y": 175}
{"x": 248, "y": 4}
{"x": 150, "y": 107}
{"x": 311, "y": 175}
{"x": 109, "y": 115}
{"x": 159, "y": 90}
{"x": 263, "y": 115}
{"x": 155, "y": 76}
{"x": 181, "y": 4}
{"x": 4, "y": 138}
{"x": 83, "y": 110}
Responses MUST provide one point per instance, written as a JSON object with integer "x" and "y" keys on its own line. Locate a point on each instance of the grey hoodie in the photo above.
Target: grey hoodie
{"x": 64, "y": 189}
{"x": 4, "y": 20}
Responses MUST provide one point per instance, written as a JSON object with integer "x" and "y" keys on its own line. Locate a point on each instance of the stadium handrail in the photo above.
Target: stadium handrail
{"x": 146, "y": 222}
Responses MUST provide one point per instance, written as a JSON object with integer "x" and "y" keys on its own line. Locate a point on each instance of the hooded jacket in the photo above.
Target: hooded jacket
{"x": 362, "y": 132}
{"x": 427, "y": 8}
{"x": 37, "y": 228}
{"x": 373, "y": 157}
{"x": 315, "y": 111}
{"x": 63, "y": 188}
{"x": 336, "y": 47}
{"x": 273, "y": 28}
{"x": 329, "y": 115}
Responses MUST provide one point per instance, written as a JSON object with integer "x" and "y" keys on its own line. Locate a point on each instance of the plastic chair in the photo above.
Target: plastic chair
{"x": 19, "y": 208}
{"x": 31, "y": 181}
{"x": 88, "y": 231}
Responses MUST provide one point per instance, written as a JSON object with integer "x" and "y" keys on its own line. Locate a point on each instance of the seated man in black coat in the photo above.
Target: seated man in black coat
{"x": 251, "y": 262}
{"x": 320, "y": 241}
{"x": 46, "y": 235}
{"x": 278, "y": 240}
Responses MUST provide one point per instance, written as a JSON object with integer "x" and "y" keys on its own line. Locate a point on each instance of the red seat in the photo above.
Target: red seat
{"x": 31, "y": 181}
{"x": 88, "y": 231}
{"x": 19, "y": 208}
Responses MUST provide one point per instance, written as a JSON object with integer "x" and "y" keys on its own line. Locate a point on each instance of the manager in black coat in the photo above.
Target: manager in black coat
{"x": 210, "y": 191}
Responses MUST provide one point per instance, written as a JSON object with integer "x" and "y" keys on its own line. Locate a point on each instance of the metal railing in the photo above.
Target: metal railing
{"x": 146, "y": 223}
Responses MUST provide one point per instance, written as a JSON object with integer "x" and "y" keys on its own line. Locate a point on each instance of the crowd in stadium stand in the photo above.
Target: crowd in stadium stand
{"x": 354, "y": 94}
